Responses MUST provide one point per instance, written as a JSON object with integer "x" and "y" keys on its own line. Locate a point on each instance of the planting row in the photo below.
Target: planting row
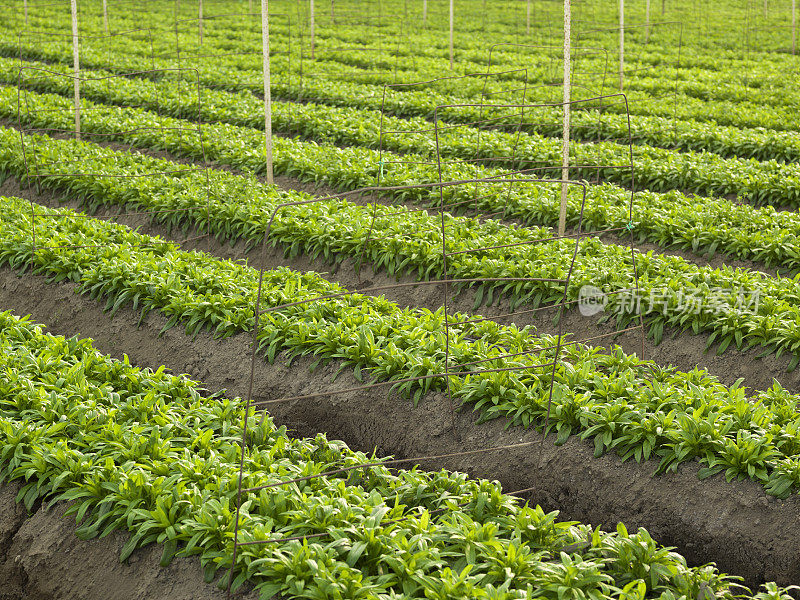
{"x": 634, "y": 407}
{"x": 736, "y": 307}
{"x": 698, "y": 78}
{"x": 147, "y": 452}
{"x": 701, "y": 225}
{"x": 653, "y": 168}
{"x": 235, "y": 72}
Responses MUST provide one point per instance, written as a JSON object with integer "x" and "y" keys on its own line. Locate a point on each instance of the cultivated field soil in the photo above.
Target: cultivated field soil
{"x": 711, "y": 141}
{"x": 735, "y": 524}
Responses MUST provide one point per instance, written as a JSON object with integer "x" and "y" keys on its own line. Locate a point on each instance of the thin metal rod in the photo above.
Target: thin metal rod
{"x": 200, "y": 20}
{"x": 392, "y": 461}
{"x": 267, "y": 90}
{"x": 76, "y": 68}
{"x": 451, "y": 35}
{"x": 562, "y": 215}
{"x": 424, "y": 12}
{"x": 647, "y": 21}
{"x": 105, "y": 15}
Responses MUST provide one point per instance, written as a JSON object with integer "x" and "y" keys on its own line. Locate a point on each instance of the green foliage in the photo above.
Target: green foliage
{"x": 144, "y": 451}
{"x": 622, "y": 403}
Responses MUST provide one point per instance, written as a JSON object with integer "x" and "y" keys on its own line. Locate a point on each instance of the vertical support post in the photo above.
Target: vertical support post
{"x": 451, "y": 35}
{"x": 105, "y": 15}
{"x": 562, "y": 215}
{"x": 25, "y": 6}
{"x": 528, "y": 18}
{"x": 267, "y": 92}
{"x": 332, "y": 17}
{"x": 765, "y": 9}
{"x": 76, "y": 68}
{"x": 663, "y": 7}
{"x": 647, "y": 21}
{"x": 200, "y": 20}
{"x": 311, "y": 25}
{"x": 621, "y": 44}
{"x": 794, "y": 26}
{"x": 424, "y": 12}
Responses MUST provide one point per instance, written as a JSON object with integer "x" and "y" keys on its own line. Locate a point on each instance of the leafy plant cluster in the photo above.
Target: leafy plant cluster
{"x": 625, "y": 405}
{"x": 706, "y": 225}
{"x": 411, "y": 242}
{"x": 658, "y": 169}
{"x": 145, "y": 451}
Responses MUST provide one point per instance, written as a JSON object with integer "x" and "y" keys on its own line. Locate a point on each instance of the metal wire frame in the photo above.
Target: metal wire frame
{"x": 437, "y": 126}
{"x": 637, "y": 27}
{"x": 751, "y": 38}
{"x": 460, "y": 370}
{"x": 88, "y": 38}
{"x": 577, "y": 52}
{"x": 250, "y": 403}
{"x": 350, "y": 72}
{"x": 500, "y": 76}
{"x": 200, "y": 51}
{"x": 33, "y": 169}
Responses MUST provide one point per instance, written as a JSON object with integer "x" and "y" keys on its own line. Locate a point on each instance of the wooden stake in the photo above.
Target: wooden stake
{"x": 105, "y": 15}
{"x": 794, "y": 27}
{"x": 562, "y": 215}
{"x": 424, "y": 12}
{"x": 663, "y": 7}
{"x": 647, "y": 20}
{"x": 621, "y": 44}
{"x": 25, "y": 6}
{"x": 311, "y": 25}
{"x": 76, "y": 69}
{"x": 200, "y": 20}
{"x": 451, "y": 35}
{"x": 267, "y": 92}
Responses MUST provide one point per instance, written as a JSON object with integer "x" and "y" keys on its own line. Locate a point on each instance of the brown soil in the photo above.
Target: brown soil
{"x": 42, "y": 559}
{"x": 734, "y": 524}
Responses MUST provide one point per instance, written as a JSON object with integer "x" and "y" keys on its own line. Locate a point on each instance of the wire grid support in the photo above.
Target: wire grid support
{"x": 461, "y": 370}
{"x": 111, "y": 52}
{"x": 203, "y": 51}
{"x": 541, "y": 354}
{"x": 376, "y": 60}
{"x": 31, "y": 127}
{"x": 498, "y": 363}
{"x": 642, "y": 34}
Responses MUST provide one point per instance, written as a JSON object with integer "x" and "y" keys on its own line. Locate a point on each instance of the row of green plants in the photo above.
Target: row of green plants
{"x": 236, "y": 72}
{"x": 705, "y": 173}
{"x": 588, "y": 123}
{"x": 702, "y": 225}
{"x": 623, "y": 404}
{"x": 147, "y": 452}
{"x": 734, "y": 307}
{"x": 700, "y": 78}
